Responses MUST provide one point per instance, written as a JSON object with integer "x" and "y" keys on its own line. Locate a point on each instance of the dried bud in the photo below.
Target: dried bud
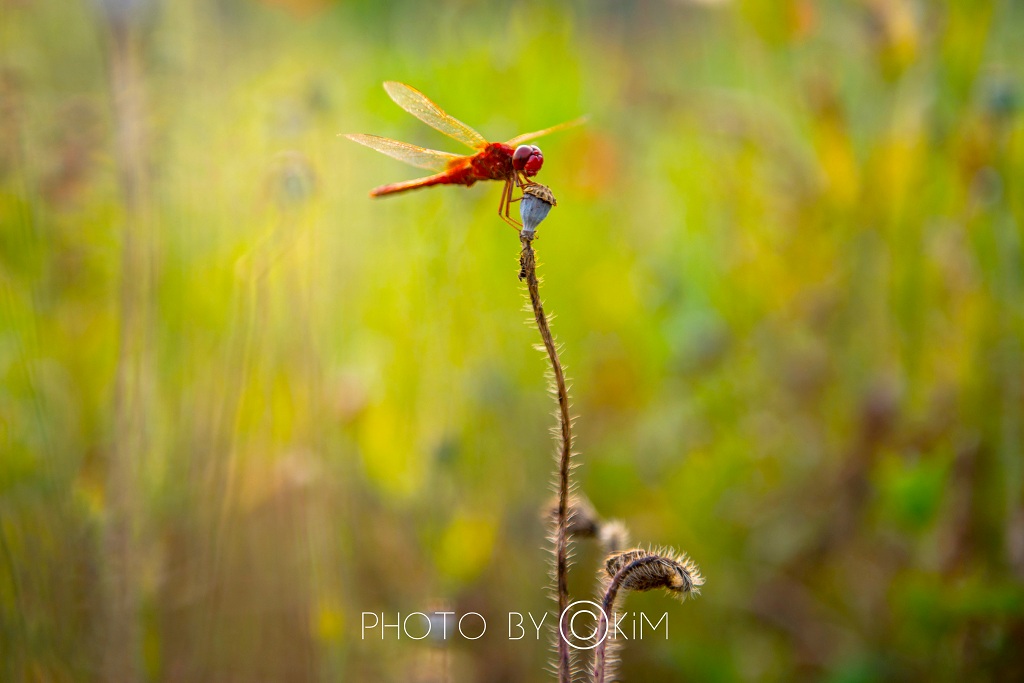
{"x": 647, "y": 570}
{"x": 535, "y": 205}
{"x": 582, "y": 519}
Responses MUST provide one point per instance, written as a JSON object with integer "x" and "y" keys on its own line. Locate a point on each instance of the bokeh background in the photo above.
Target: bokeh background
{"x": 241, "y": 403}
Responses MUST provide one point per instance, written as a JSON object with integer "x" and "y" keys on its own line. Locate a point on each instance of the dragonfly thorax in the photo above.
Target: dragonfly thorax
{"x": 494, "y": 162}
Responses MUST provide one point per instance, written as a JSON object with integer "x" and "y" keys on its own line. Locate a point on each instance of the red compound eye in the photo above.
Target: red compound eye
{"x": 528, "y": 159}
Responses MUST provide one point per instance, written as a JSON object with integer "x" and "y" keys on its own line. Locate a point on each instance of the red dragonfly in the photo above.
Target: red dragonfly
{"x": 512, "y": 162}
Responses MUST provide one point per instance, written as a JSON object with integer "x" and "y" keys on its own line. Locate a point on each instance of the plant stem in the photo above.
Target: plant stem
{"x": 122, "y": 637}
{"x": 528, "y": 272}
{"x": 607, "y": 605}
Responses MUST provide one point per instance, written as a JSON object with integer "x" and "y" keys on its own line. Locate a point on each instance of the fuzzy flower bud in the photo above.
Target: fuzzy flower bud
{"x": 647, "y": 570}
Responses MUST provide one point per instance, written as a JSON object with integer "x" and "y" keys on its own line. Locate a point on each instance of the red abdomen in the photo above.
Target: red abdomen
{"x": 462, "y": 175}
{"x": 493, "y": 162}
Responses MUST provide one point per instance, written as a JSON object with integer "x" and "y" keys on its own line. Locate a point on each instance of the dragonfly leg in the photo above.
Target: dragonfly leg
{"x": 505, "y": 206}
{"x": 522, "y": 182}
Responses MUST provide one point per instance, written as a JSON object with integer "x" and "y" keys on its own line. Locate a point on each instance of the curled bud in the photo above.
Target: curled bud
{"x": 535, "y": 205}
{"x": 645, "y": 570}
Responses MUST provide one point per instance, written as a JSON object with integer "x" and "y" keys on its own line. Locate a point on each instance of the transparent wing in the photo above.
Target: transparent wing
{"x": 411, "y": 154}
{"x": 417, "y": 104}
{"x": 519, "y": 139}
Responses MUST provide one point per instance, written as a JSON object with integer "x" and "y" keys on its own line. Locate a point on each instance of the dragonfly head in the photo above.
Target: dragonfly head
{"x": 528, "y": 159}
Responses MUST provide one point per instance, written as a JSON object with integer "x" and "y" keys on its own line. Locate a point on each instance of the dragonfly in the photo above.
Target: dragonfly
{"x": 513, "y": 162}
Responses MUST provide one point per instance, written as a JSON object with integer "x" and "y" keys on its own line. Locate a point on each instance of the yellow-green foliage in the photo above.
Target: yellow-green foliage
{"x": 788, "y": 271}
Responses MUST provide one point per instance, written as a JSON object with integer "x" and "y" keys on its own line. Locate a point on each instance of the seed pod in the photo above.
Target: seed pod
{"x": 534, "y": 207}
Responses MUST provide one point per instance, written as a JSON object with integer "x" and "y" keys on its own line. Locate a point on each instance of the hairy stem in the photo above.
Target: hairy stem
{"x": 528, "y": 272}
{"x": 607, "y": 606}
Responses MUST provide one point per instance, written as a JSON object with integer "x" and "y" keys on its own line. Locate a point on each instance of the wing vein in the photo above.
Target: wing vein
{"x": 420, "y": 106}
{"x": 430, "y": 159}
{"x": 537, "y": 133}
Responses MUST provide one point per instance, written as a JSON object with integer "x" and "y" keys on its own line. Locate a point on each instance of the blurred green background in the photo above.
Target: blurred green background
{"x": 241, "y": 403}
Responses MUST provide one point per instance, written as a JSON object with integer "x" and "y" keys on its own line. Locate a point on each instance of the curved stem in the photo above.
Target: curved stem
{"x": 607, "y": 605}
{"x": 528, "y": 272}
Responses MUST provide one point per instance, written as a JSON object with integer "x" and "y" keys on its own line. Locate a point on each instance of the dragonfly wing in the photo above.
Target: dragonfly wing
{"x": 420, "y": 106}
{"x": 519, "y": 139}
{"x": 430, "y": 159}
